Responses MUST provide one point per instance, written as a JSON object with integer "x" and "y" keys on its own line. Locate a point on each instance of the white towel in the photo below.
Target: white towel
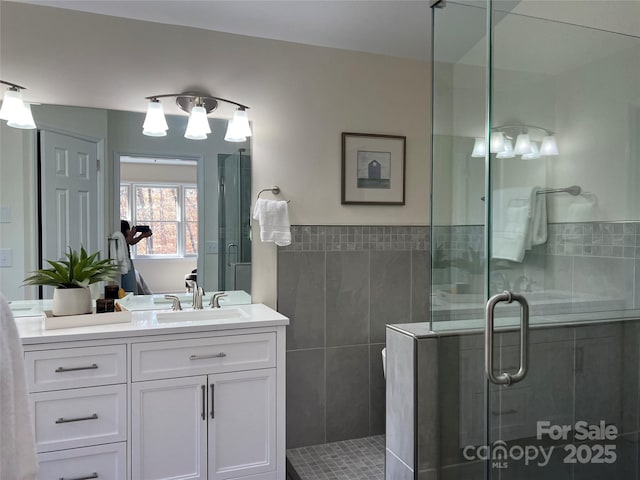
{"x": 17, "y": 446}
{"x": 519, "y": 217}
{"x": 119, "y": 253}
{"x": 273, "y": 216}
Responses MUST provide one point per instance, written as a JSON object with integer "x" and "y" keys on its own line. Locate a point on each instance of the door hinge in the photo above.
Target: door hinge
{"x": 98, "y": 164}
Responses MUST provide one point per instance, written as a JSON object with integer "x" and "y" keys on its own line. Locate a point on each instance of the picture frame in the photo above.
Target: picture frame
{"x": 373, "y": 169}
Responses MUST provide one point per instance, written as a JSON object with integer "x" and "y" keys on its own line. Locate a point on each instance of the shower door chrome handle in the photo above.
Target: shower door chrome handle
{"x": 506, "y": 378}
{"x": 229, "y": 247}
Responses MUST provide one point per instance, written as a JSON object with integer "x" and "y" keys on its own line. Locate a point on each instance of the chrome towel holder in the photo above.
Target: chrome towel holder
{"x": 275, "y": 190}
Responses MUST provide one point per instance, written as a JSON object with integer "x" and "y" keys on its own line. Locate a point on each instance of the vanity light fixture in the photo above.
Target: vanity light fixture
{"x": 502, "y": 139}
{"x": 14, "y": 110}
{"x": 198, "y": 105}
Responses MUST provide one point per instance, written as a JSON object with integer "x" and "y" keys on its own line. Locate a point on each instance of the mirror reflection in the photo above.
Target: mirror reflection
{"x": 92, "y": 168}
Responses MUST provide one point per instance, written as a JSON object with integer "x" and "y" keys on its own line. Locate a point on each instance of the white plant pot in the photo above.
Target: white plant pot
{"x": 71, "y": 301}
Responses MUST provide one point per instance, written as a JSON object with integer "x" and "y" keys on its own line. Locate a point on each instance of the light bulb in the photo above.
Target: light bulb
{"x": 155, "y": 123}
{"x": 12, "y": 105}
{"x": 198, "y": 125}
{"x": 238, "y": 128}
{"x": 22, "y": 118}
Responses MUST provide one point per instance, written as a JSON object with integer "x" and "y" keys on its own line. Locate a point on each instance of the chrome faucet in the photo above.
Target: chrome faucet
{"x": 176, "y": 302}
{"x": 215, "y": 299}
{"x": 198, "y": 293}
{"x": 197, "y": 302}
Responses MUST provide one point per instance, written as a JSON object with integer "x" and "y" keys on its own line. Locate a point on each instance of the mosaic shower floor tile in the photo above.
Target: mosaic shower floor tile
{"x": 359, "y": 459}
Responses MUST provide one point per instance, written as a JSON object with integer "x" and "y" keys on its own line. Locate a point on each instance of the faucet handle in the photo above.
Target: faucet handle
{"x": 176, "y": 302}
{"x": 215, "y": 299}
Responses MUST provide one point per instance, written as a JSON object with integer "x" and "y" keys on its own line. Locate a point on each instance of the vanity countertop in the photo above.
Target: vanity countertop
{"x": 146, "y": 322}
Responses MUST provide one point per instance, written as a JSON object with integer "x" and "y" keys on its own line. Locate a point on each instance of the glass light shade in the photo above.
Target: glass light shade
{"x": 533, "y": 154}
{"x": 23, "y": 118}
{"x": 155, "y": 124}
{"x": 479, "y": 148}
{"x": 508, "y": 150}
{"x": 549, "y": 146}
{"x": 238, "y": 129}
{"x": 12, "y": 105}
{"x": 523, "y": 144}
{"x": 496, "y": 144}
{"x": 198, "y": 126}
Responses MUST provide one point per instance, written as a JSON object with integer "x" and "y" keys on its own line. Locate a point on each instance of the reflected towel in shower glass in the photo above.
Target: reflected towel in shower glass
{"x": 519, "y": 221}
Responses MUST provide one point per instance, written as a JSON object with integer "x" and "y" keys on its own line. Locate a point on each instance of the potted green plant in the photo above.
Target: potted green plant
{"x": 71, "y": 279}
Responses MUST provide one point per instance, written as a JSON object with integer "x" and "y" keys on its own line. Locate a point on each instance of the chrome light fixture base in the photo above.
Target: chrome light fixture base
{"x": 187, "y": 101}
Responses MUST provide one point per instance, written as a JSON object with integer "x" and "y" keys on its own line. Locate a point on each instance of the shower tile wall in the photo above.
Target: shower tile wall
{"x": 340, "y": 285}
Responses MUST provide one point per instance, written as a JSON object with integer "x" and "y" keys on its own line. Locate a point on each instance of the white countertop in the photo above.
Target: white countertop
{"x": 145, "y": 322}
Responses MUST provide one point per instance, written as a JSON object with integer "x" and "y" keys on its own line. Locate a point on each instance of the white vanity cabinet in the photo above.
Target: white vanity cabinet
{"x": 78, "y": 400}
{"x": 214, "y": 426}
{"x": 146, "y": 401}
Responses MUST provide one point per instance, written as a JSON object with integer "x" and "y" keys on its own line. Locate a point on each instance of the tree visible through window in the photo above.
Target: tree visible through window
{"x": 172, "y": 213}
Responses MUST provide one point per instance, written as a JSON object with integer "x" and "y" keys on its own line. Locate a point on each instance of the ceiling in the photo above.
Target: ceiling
{"x": 388, "y": 27}
{"x": 401, "y": 28}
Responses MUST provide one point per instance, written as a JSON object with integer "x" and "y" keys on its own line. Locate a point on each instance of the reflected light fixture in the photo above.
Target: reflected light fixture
{"x": 523, "y": 144}
{"x": 198, "y": 105}
{"x": 549, "y": 146}
{"x": 502, "y": 139}
{"x": 496, "y": 142}
{"x": 479, "y": 148}
{"x": 533, "y": 154}
{"x": 508, "y": 150}
{"x": 14, "y": 110}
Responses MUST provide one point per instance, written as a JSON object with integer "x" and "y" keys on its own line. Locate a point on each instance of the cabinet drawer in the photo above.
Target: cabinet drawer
{"x": 157, "y": 360}
{"x": 102, "y": 462}
{"x": 75, "y": 367}
{"x": 79, "y": 417}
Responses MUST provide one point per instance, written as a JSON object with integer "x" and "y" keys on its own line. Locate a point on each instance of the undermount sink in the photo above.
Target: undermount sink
{"x": 198, "y": 315}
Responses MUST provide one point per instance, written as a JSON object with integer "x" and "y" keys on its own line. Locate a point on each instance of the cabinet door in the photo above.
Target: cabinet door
{"x": 169, "y": 429}
{"x": 242, "y": 423}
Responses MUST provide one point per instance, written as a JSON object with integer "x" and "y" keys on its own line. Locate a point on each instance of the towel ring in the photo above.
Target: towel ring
{"x": 275, "y": 190}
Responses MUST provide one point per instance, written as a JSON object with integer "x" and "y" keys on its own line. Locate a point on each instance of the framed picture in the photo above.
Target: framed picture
{"x": 373, "y": 169}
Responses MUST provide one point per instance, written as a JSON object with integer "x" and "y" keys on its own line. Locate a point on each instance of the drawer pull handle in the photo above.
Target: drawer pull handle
{"x": 213, "y": 401}
{"x": 80, "y": 419}
{"x": 75, "y": 369}
{"x": 204, "y": 402}
{"x": 213, "y": 355}
{"x": 93, "y": 475}
{"x": 86, "y": 477}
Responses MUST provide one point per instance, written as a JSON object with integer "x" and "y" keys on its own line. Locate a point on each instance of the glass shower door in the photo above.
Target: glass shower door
{"x": 561, "y": 153}
{"x": 234, "y": 176}
{"x": 535, "y": 210}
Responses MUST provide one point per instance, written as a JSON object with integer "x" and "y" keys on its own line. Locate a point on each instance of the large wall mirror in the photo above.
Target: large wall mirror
{"x": 194, "y": 194}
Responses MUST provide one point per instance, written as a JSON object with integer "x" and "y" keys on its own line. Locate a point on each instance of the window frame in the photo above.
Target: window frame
{"x": 181, "y": 216}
